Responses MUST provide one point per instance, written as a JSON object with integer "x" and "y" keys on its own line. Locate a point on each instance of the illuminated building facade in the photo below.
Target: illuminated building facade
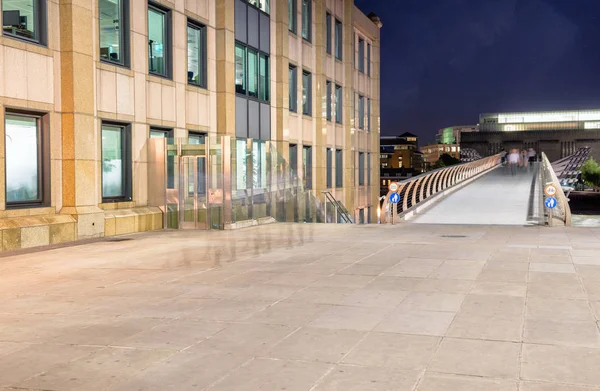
{"x": 557, "y": 133}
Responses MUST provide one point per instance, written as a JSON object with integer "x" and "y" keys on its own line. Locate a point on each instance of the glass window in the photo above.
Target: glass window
{"x": 158, "y": 49}
{"x": 168, "y": 134}
{"x": 113, "y": 30}
{"x": 113, "y": 162}
{"x": 23, "y": 159}
{"x": 306, "y": 19}
{"x": 263, "y": 77}
{"x": 263, "y": 5}
{"x": 368, "y": 169}
{"x": 252, "y": 73}
{"x": 293, "y": 161}
{"x": 306, "y": 93}
{"x": 361, "y": 55}
{"x": 361, "y": 112}
{"x": 329, "y": 168}
{"x": 368, "y": 114}
{"x": 292, "y": 15}
{"x": 241, "y": 164}
{"x": 338, "y": 39}
{"x": 21, "y": 18}
{"x": 196, "y": 48}
{"x": 196, "y": 138}
{"x": 307, "y": 166}
{"x": 368, "y": 59}
{"x": 339, "y": 168}
{"x": 240, "y": 69}
{"x": 293, "y": 88}
{"x": 329, "y": 93}
{"x": 361, "y": 168}
{"x": 259, "y": 164}
{"x": 338, "y": 104}
{"x": 328, "y": 32}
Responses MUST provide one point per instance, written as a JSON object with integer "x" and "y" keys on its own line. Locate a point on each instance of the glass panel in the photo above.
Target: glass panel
{"x": 361, "y": 168}
{"x": 19, "y": 17}
{"x": 368, "y": 114}
{"x": 307, "y": 166}
{"x": 189, "y": 198}
{"x": 110, "y": 30}
{"x": 263, "y": 77}
{"x": 369, "y": 59}
{"x": 252, "y": 73}
{"x": 259, "y": 165}
{"x": 241, "y": 165}
{"x": 157, "y": 41}
{"x": 240, "y": 69}
{"x": 293, "y": 161}
{"x": 292, "y": 15}
{"x": 112, "y": 161}
{"x": 264, "y": 5}
{"x": 361, "y": 55}
{"x": 328, "y": 32}
{"x": 338, "y": 104}
{"x": 338, "y": 40}
{"x": 328, "y": 100}
{"x": 306, "y": 93}
{"x": 306, "y": 19}
{"x": 329, "y": 168}
{"x": 195, "y": 56}
{"x": 293, "y": 82}
{"x": 361, "y": 112}
{"x": 196, "y": 139}
{"x": 338, "y": 168}
{"x": 22, "y": 170}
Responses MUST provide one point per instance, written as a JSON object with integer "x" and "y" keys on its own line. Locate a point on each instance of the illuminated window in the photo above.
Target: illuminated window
{"x": 196, "y": 47}
{"x": 159, "y": 38}
{"x": 25, "y": 19}
{"x": 116, "y": 163}
{"x": 113, "y": 17}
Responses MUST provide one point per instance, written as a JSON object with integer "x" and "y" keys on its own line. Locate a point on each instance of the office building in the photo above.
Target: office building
{"x": 123, "y": 116}
{"x": 451, "y": 135}
{"x": 399, "y": 159}
{"x": 557, "y": 133}
{"x": 432, "y": 153}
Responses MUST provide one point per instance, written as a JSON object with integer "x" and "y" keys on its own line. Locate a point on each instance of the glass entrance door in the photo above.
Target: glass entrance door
{"x": 192, "y": 193}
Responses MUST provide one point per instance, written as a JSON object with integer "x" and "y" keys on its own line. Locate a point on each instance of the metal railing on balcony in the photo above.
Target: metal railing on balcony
{"x": 340, "y": 213}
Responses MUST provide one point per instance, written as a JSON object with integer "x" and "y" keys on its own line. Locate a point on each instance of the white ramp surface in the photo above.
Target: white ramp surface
{"x": 497, "y": 198}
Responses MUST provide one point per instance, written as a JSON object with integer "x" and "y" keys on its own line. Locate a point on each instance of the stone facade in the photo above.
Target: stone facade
{"x": 65, "y": 82}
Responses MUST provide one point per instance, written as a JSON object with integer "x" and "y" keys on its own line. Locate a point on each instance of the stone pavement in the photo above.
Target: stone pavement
{"x": 496, "y": 198}
{"x": 308, "y": 307}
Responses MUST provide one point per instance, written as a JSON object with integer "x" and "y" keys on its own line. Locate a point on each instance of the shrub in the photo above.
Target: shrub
{"x": 590, "y": 173}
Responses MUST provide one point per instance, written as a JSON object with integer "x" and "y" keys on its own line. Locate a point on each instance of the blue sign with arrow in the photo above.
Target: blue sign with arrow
{"x": 395, "y": 198}
{"x": 550, "y": 202}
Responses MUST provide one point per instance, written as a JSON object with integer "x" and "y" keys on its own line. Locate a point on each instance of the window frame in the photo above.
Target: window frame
{"x": 202, "y": 53}
{"x": 368, "y": 59}
{"x": 329, "y": 168}
{"x": 307, "y": 168}
{"x": 361, "y": 54}
{"x": 361, "y": 168}
{"x": 339, "y": 40}
{"x": 329, "y": 104}
{"x": 339, "y": 104}
{"x": 293, "y": 26}
{"x": 293, "y": 88}
{"x": 307, "y": 106}
{"x": 328, "y": 33}
{"x": 368, "y": 114}
{"x": 40, "y": 11}
{"x": 308, "y": 36}
{"x": 258, "y": 53}
{"x": 339, "y": 168}
{"x": 168, "y": 37}
{"x": 124, "y": 41}
{"x": 43, "y": 161}
{"x": 126, "y": 172}
{"x": 361, "y": 112}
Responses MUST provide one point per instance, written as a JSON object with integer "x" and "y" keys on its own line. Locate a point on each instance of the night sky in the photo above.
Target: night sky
{"x": 445, "y": 61}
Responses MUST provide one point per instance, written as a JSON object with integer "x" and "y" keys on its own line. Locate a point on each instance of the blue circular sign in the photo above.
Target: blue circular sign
{"x": 550, "y": 202}
{"x": 394, "y": 198}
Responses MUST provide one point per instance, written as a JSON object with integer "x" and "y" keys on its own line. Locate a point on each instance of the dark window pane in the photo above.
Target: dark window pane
{"x": 338, "y": 104}
{"x": 307, "y": 166}
{"x": 329, "y": 93}
{"x": 240, "y": 69}
{"x": 111, "y": 40}
{"x": 252, "y": 73}
{"x": 292, "y": 16}
{"x": 306, "y": 19}
{"x": 339, "y": 168}
{"x": 361, "y": 168}
{"x": 196, "y": 61}
{"x": 361, "y": 112}
{"x": 328, "y": 32}
{"x": 361, "y": 55}
{"x": 157, "y": 41}
{"x": 20, "y": 18}
{"x": 369, "y": 59}
{"x": 263, "y": 77}
{"x": 293, "y": 161}
{"x": 22, "y": 159}
{"x": 338, "y": 39}
{"x": 196, "y": 139}
{"x": 329, "y": 168}
{"x": 306, "y": 93}
{"x": 293, "y": 83}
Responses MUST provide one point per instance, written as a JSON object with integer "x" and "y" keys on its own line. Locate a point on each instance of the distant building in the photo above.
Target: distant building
{"x": 557, "y": 133}
{"x": 432, "y": 153}
{"x": 451, "y": 135}
{"x": 399, "y": 158}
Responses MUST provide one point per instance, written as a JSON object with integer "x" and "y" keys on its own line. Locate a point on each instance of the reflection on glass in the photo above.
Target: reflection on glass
{"x": 252, "y": 73}
{"x": 338, "y": 39}
{"x": 241, "y": 164}
{"x": 292, "y": 15}
{"x": 240, "y": 69}
{"x": 263, "y": 77}
{"x": 110, "y": 30}
{"x": 195, "y": 55}
{"x": 259, "y": 164}
{"x": 22, "y": 172}
{"x": 112, "y": 161}
{"x": 306, "y": 93}
{"x": 293, "y": 82}
{"x": 338, "y": 104}
{"x": 361, "y": 112}
{"x": 328, "y": 32}
{"x": 306, "y": 19}
{"x": 157, "y": 41}
{"x": 196, "y": 139}
{"x": 19, "y": 17}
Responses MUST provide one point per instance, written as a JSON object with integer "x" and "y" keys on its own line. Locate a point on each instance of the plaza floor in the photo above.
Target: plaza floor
{"x": 301, "y": 307}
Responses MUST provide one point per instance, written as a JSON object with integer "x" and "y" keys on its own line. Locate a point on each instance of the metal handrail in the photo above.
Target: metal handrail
{"x": 345, "y": 214}
{"x": 562, "y": 210}
{"x": 419, "y": 188}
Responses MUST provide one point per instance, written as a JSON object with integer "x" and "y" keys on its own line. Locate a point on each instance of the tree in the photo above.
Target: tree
{"x": 446, "y": 160}
{"x": 590, "y": 173}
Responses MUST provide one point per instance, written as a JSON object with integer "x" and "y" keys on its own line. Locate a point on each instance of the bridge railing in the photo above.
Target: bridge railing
{"x": 417, "y": 189}
{"x": 561, "y": 215}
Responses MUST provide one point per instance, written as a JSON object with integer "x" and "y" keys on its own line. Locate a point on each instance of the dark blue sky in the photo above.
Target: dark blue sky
{"x": 445, "y": 61}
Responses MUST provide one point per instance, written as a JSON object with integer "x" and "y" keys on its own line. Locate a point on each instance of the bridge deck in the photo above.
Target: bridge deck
{"x": 497, "y": 198}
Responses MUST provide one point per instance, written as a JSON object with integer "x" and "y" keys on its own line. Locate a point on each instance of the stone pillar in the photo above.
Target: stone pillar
{"x": 375, "y": 131}
{"x": 320, "y": 136}
{"x": 349, "y": 115}
{"x": 80, "y": 138}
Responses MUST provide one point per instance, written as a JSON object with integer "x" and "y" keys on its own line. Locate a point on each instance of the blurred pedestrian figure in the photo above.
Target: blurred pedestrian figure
{"x": 524, "y": 160}
{"x": 513, "y": 161}
{"x": 531, "y": 156}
